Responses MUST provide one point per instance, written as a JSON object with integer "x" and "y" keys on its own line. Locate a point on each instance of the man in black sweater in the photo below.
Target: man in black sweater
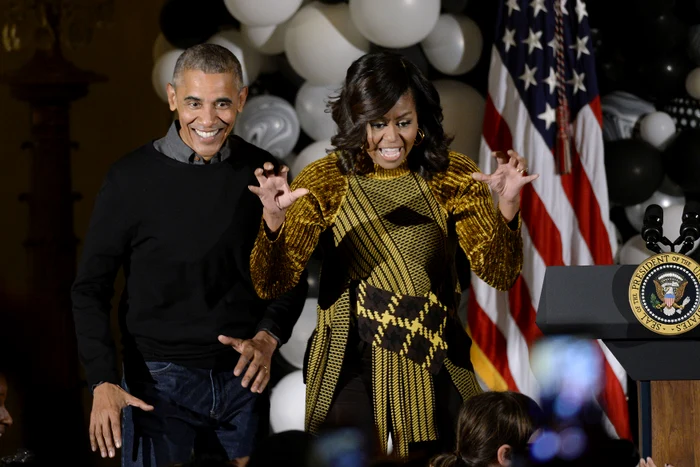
{"x": 177, "y": 215}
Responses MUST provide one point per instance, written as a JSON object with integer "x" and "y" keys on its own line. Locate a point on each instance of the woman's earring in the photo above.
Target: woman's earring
{"x": 416, "y": 142}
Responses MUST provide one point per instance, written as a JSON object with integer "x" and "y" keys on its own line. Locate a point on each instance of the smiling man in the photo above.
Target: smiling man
{"x": 177, "y": 215}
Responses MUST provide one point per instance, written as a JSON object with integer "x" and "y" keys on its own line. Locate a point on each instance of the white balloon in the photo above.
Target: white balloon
{"x": 265, "y": 39}
{"x": 262, "y": 12}
{"x": 463, "y": 110}
{"x": 270, "y": 123}
{"x": 634, "y": 251}
{"x": 160, "y": 46}
{"x": 321, "y": 42}
{"x": 310, "y": 153}
{"x": 657, "y": 128}
{"x": 288, "y": 403}
{"x": 395, "y": 23}
{"x": 250, "y": 59}
{"x": 162, "y": 73}
{"x": 310, "y": 104}
{"x": 635, "y": 213}
{"x": 454, "y": 46}
{"x": 673, "y": 217}
{"x": 293, "y": 350}
{"x": 692, "y": 83}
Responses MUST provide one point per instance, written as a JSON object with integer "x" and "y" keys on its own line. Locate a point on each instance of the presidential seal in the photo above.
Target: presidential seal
{"x": 664, "y": 293}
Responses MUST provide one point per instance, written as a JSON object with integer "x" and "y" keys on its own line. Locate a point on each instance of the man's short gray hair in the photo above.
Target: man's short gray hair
{"x": 209, "y": 58}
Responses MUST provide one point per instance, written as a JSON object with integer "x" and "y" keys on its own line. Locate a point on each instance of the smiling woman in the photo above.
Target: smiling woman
{"x": 388, "y": 208}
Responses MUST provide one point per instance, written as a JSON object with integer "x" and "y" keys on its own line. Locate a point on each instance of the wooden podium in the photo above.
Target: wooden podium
{"x": 593, "y": 302}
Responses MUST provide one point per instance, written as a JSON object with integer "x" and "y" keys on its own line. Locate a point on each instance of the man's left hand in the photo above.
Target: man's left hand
{"x": 256, "y": 354}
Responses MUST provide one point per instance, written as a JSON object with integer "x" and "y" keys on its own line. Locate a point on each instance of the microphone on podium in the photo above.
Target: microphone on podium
{"x": 652, "y": 227}
{"x": 690, "y": 226}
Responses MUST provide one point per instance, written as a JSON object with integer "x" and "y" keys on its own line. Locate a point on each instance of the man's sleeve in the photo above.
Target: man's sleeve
{"x": 104, "y": 250}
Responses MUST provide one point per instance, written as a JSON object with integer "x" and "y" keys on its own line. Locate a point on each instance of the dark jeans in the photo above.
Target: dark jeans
{"x": 196, "y": 411}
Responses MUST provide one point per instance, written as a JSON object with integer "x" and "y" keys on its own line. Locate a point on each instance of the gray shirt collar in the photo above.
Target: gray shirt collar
{"x": 172, "y": 146}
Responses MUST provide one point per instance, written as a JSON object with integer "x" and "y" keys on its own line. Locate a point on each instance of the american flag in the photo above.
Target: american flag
{"x": 565, "y": 215}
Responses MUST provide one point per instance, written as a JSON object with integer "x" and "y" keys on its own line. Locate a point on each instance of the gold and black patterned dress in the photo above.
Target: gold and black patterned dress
{"x": 389, "y": 240}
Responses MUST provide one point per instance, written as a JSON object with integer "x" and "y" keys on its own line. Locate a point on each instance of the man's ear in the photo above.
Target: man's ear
{"x": 242, "y": 96}
{"x": 172, "y": 98}
{"x": 503, "y": 455}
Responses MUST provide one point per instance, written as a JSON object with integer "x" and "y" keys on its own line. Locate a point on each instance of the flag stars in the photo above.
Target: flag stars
{"x": 529, "y": 76}
{"x": 549, "y": 116}
{"x": 562, "y": 6}
{"x": 580, "y": 47}
{"x": 580, "y": 10}
{"x": 512, "y": 5}
{"x": 554, "y": 44}
{"x": 537, "y": 5}
{"x": 551, "y": 80}
{"x": 509, "y": 39}
{"x": 533, "y": 41}
{"x": 577, "y": 82}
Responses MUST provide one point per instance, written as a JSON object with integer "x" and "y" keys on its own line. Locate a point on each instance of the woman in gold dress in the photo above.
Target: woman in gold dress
{"x": 388, "y": 208}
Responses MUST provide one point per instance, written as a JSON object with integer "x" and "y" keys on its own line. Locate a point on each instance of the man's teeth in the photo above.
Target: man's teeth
{"x": 206, "y": 134}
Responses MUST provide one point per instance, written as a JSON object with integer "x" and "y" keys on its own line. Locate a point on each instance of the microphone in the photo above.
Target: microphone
{"x": 652, "y": 227}
{"x": 690, "y": 226}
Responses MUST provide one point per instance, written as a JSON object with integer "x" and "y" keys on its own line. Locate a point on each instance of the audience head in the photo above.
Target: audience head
{"x": 492, "y": 428}
{"x": 5, "y": 417}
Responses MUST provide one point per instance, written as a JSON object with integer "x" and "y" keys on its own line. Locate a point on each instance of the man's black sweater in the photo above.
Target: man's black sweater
{"x": 183, "y": 234}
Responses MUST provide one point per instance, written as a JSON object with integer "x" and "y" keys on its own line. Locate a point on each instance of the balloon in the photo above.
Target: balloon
{"x": 250, "y": 59}
{"x": 262, "y": 12}
{"x": 160, "y": 46}
{"x": 694, "y": 43}
{"x": 634, "y": 251}
{"x": 288, "y": 403}
{"x": 673, "y": 217}
{"x": 635, "y": 213}
{"x": 395, "y": 23}
{"x": 634, "y": 170}
{"x": 670, "y": 188}
{"x": 310, "y": 153}
{"x": 321, "y": 43}
{"x": 270, "y": 123}
{"x": 414, "y": 54}
{"x": 185, "y": 25}
{"x": 663, "y": 76}
{"x": 621, "y": 113}
{"x": 454, "y": 6}
{"x": 265, "y": 39}
{"x": 684, "y": 111}
{"x": 293, "y": 350}
{"x": 692, "y": 83}
{"x": 682, "y": 160}
{"x": 310, "y": 104}
{"x": 463, "y": 110}
{"x": 162, "y": 73}
{"x": 657, "y": 128}
{"x": 454, "y": 46}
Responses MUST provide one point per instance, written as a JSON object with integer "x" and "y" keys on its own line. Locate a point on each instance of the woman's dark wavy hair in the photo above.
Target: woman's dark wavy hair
{"x": 373, "y": 84}
{"x": 486, "y": 422}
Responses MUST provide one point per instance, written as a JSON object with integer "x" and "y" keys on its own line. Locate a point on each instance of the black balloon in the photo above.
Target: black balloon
{"x": 634, "y": 170}
{"x": 682, "y": 160}
{"x": 185, "y": 24}
{"x": 662, "y": 77}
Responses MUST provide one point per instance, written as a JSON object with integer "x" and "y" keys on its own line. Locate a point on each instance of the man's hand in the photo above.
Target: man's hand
{"x": 105, "y": 418}
{"x": 257, "y": 354}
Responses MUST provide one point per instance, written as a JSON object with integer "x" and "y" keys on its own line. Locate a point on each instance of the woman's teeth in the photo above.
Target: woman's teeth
{"x": 390, "y": 154}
